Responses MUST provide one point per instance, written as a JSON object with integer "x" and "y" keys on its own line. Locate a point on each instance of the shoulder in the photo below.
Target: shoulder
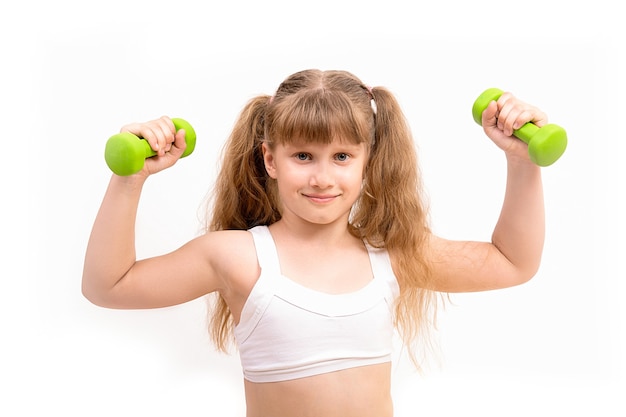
{"x": 232, "y": 254}
{"x": 228, "y": 246}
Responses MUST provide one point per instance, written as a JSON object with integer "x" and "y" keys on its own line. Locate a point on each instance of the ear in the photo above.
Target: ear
{"x": 269, "y": 160}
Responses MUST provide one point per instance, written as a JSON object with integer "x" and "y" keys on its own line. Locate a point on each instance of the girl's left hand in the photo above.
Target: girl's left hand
{"x": 502, "y": 117}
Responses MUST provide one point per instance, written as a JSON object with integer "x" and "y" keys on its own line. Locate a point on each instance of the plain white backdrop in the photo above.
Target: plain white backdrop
{"x": 75, "y": 72}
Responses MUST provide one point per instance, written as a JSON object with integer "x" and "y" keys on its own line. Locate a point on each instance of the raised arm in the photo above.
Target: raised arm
{"x": 513, "y": 256}
{"x": 112, "y": 276}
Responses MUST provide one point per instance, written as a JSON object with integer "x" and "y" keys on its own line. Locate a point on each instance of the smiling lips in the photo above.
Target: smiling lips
{"x": 320, "y": 198}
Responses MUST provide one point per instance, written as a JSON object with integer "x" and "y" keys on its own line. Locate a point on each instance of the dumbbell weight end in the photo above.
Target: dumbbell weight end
{"x": 547, "y": 145}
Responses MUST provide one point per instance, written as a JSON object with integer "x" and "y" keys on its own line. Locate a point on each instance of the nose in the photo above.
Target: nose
{"x": 322, "y": 176}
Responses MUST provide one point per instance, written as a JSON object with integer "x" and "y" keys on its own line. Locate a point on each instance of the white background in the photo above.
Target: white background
{"x": 74, "y": 72}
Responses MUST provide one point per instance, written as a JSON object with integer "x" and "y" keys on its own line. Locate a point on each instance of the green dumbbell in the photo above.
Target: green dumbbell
{"x": 125, "y": 153}
{"x": 546, "y": 144}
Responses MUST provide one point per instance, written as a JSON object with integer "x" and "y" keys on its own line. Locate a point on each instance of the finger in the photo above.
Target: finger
{"x": 515, "y": 118}
{"x": 538, "y": 117}
{"x": 143, "y": 131}
{"x": 158, "y": 133}
{"x": 521, "y": 117}
{"x": 519, "y": 114}
{"x": 166, "y": 133}
{"x": 504, "y": 108}
{"x": 180, "y": 143}
{"x": 490, "y": 116}
{"x": 513, "y": 114}
{"x": 155, "y": 137}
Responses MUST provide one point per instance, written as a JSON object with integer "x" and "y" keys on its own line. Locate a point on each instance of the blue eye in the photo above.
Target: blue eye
{"x": 342, "y": 157}
{"x": 301, "y": 156}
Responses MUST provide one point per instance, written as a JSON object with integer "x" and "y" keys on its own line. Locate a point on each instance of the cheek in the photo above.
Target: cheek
{"x": 354, "y": 179}
{"x": 288, "y": 178}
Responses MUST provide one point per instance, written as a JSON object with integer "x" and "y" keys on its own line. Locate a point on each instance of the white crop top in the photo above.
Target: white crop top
{"x": 288, "y": 331}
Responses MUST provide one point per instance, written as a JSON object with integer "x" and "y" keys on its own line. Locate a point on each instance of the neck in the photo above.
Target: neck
{"x": 331, "y": 234}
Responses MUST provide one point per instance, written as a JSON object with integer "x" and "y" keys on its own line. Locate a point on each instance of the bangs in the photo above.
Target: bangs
{"x": 318, "y": 116}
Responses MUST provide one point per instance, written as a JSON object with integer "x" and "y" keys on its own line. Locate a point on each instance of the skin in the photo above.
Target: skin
{"x": 317, "y": 184}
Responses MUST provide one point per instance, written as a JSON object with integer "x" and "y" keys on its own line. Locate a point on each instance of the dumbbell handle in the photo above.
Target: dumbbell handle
{"x": 125, "y": 153}
{"x": 546, "y": 144}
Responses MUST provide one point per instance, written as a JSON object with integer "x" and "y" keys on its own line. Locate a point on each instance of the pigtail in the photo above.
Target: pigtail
{"x": 391, "y": 191}
{"x": 392, "y": 214}
{"x": 242, "y": 197}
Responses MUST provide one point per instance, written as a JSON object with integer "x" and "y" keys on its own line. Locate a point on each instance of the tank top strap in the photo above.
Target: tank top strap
{"x": 264, "y": 289}
{"x": 267, "y": 254}
{"x": 381, "y": 267}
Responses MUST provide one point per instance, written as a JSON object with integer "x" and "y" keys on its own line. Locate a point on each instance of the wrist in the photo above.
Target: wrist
{"x": 520, "y": 158}
{"x": 522, "y": 167}
{"x": 130, "y": 182}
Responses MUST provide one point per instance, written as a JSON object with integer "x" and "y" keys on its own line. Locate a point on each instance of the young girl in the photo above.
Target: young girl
{"x": 318, "y": 247}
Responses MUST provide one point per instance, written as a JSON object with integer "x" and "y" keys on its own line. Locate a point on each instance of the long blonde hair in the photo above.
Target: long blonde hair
{"x": 319, "y": 106}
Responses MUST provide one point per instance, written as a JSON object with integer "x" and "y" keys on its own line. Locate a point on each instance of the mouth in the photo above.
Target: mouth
{"x": 320, "y": 198}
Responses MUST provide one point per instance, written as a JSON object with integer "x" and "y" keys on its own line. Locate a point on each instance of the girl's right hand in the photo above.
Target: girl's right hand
{"x": 163, "y": 139}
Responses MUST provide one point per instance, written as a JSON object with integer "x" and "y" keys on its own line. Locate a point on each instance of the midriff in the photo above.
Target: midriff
{"x": 356, "y": 392}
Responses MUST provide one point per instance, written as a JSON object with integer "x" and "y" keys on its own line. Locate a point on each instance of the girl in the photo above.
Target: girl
{"x": 318, "y": 247}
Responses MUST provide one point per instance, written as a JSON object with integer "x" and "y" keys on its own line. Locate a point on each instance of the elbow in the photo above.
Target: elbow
{"x": 532, "y": 268}
{"x": 521, "y": 266}
{"x": 526, "y": 274}
{"x": 95, "y": 295}
{"x": 515, "y": 275}
{"x": 525, "y": 278}
{"x": 92, "y": 296}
